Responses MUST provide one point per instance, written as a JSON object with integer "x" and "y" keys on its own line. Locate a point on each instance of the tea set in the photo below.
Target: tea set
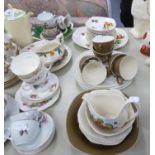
{"x": 105, "y": 116}
{"x": 30, "y": 132}
{"x": 50, "y": 25}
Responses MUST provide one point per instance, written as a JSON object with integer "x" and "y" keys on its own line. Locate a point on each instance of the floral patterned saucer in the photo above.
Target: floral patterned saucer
{"x": 40, "y": 106}
{"x": 79, "y": 38}
{"x": 39, "y": 93}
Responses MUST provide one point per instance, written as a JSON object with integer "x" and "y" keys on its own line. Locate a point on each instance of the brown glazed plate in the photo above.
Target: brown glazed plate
{"x": 79, "y": 141}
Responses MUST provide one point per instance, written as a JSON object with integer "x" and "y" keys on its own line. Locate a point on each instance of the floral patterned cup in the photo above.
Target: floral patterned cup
{"x": 23, "y": 132}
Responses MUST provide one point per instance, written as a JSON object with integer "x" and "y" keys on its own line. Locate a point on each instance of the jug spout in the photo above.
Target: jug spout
{"x": 29, "y": 14}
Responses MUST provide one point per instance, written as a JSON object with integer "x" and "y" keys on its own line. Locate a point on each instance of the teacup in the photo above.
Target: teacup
{"x": 103, "y": 57}
{"x": 23, "y": 132}
{"x": 51, "y": 52}
{"x": 123, "y": 67}
{"x": 104, "y": 107}
{"x": 25, "y": 65}
{"x": 103, "y": 44}
{"x": 93, "y": 67}
{"x": 34, "y": 115}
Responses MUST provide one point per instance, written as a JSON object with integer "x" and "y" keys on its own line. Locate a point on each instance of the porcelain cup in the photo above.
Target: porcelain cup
{"x": 103, "y": 44}
{"x": 124, "y": 67}
{"x": 104, "y": 108}
{"x": 34, "y": 115}
{"x": 24, "y": 132}
{"x": 25, "y": 65}
{"x": 93, "y": 70}
{"x": 6, "y": 107}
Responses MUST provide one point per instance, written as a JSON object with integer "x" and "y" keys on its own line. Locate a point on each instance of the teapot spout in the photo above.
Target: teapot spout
{"x": 29, "y": 14}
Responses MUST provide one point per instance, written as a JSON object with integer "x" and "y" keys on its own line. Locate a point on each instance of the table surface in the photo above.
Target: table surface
{"x": 70, "y": 89}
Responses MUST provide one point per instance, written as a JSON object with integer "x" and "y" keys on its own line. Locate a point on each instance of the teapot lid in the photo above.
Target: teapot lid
{"x": 12, "y": 13}
{"x": 44, "y": 16}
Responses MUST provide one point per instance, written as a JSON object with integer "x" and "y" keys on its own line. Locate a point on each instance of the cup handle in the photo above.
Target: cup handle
{"x": 119, "y": 80}
{"x": 137, "y": 107}
{"x": 8, "y": 136}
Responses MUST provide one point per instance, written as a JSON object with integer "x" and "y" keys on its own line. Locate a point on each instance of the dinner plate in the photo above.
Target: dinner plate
{"x": 12, "y": 110}
{"x": 42, "y": 141}
{"x": 78, "y": 140}
{"x": 39, "y": 106}
{"x": 79, "y": 38}
{"x": 110, "y": 81}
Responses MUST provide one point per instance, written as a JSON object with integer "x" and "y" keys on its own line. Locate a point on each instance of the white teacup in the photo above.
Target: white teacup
{"x": 28, "y": 115}
{"x": 24, "y": 132}
{"x": 25, "y": 65}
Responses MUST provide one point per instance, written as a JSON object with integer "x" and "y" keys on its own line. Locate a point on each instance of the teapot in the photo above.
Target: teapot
{"x": 16, "y": 23}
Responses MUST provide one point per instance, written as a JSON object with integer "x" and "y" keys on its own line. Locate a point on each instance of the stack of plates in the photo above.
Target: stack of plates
{"x": 43, "y": 140}
{"x": 39, "y": 97}
{"x": 58, "y": 61}
{"x": 109, "y": 82}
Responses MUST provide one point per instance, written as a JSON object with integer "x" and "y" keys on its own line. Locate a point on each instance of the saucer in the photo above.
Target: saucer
{"x": 78, "y": 140}
{"x": 40, "y": 92}
{"x": 42, "y": 141}
{"x": 79, "y": 38}
{"x": 14, "y": 109}
{"x": 110, "y": 81}
{"x": 39, "y": 106}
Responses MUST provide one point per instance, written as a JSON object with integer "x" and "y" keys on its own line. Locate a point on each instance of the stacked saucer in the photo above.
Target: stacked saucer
{"x": 37, "y": 130}
{"x": 100, "y": 26}
{"x": 40, "y": 88}
{"x": 106, "y": 117}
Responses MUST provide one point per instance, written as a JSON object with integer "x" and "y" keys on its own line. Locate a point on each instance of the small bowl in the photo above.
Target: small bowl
{"x": 25, "y": 65}
{"x": 104, "y": 108}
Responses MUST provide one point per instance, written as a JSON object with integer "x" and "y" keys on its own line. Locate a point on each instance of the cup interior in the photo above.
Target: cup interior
{"x": 94, "y": 72}
{"x": 24, "y": 132}
{"x": 25, "y": 64}
{"x": 128, "y": 67}
{"x": 108, "y": 106}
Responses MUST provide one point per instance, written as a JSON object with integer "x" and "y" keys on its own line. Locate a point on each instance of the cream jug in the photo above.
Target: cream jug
{"x": 16, "y": 23}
